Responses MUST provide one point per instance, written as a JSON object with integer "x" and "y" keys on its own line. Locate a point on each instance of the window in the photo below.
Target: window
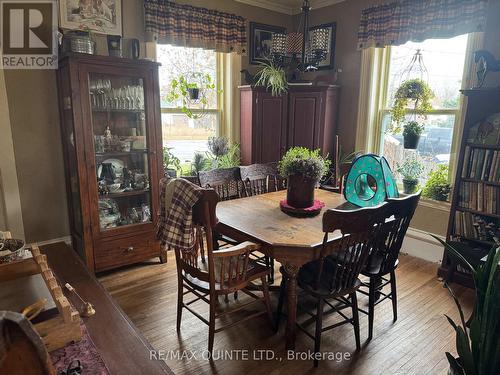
{"x": 185, "y": 135}
{"x": 444, "y": 61}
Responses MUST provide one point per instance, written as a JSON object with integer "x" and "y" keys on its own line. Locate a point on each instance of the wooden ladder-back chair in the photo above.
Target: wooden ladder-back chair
{"x": 228, "y": 185}
{"x": 334, "y": 281}
{"x": 225, "y": 271}
{"x": 261, "y": 179}
{"x": 227, "y": 182}
{"x": 383, "y": 259}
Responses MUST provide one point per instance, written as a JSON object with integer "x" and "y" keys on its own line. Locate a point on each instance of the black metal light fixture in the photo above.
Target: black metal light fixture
{"x": 304, "y": 48}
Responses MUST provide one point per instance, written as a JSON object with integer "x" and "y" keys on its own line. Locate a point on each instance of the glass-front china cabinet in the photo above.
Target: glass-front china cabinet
{"x": 110, "y": 121}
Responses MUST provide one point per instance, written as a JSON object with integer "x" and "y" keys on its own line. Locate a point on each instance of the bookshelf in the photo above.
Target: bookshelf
{"x": 475, "y": 203}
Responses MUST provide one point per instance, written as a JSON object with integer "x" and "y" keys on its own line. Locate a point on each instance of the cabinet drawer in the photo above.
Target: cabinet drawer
{"x": 123, "y": 251}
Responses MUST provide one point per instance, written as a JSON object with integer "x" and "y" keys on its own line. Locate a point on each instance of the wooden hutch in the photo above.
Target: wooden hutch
{"x": 304, "y": 116}
{"x": 111, "y": 132}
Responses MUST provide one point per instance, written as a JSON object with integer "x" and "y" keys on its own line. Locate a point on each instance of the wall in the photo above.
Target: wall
{"x": 34, "y": 117}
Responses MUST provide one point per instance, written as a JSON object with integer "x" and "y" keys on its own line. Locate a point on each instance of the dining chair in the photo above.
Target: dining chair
{"x": 228, "y": 185}
{"x": 226, "y": 182}
{"x": 226, "y": 271}
{"x": 334, "y": 281}
{"x": 383, "y": 260}
{"x": 261, "y": 179}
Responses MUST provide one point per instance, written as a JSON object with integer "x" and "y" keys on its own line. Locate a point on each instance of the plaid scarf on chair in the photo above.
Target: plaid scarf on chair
{"x": 175, "y": 222}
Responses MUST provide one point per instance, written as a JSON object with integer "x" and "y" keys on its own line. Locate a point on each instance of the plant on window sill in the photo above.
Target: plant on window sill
{"x": 222, "y": 154}
{"x": 411, "y": 169}
{"x": 437, "y": 186}
{"x": 191, "y": 91}
{"x": 169, "y": 161}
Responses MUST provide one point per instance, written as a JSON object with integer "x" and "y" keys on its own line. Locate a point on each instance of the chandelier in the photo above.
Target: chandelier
{"x": 304, "y": 48}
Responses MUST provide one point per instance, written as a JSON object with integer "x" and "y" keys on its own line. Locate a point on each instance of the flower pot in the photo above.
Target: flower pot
{"x": 300, "y": 192}
{"x": 409, "y": 186}
{"x": 194, "y": 93}
{"x": 411, "y": 141}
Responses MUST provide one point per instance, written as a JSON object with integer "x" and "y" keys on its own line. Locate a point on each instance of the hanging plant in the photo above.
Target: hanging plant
{"x": 415, "y": 90}
{"x": 191, "y": 91}
{"x": 272, "y": 77}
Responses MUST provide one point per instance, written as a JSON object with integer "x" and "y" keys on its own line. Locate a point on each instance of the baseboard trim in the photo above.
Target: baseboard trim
{"x": 420, "y": 244}
{"x": 65, "y": 239}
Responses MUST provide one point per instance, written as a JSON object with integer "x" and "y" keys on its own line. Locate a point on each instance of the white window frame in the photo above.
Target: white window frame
{"x": 217, "y": 111}
{"x": 373, "y": 98}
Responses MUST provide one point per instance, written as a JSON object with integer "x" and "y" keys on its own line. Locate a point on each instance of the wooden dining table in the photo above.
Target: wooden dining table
{"x": 292, "y": 241}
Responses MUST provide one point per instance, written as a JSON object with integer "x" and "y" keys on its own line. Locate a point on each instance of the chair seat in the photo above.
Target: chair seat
{"x": 255, "y": 271}
{"x": 374, "y": 264}
{"x": 306, "y": 279}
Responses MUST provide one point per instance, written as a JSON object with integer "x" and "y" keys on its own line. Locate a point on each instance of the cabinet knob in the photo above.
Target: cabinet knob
{"x": 130, "y": 249}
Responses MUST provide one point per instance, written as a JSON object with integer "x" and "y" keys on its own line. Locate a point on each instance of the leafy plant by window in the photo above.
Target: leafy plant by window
{"x": 412, "y": 128}
{"x": 437, "y": 186}
{"x": 415, "y": 90}
{"x": 222, "y": 154}
{"x": 218, "y": 146}
{"x": 180, "y": 90}
{"x": 477, "y": 343}
{"x": 272, "y": 77}
{"x": 411, "y": 168}
{"x": 231, "y": 158}
{"x": 304, "y": 162}
{"x": 170, "y": 160}
{"x": 200, "y": 163}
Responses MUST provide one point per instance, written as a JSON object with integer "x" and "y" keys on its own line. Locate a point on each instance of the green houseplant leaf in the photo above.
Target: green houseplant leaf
{"x": 479, "y": 351}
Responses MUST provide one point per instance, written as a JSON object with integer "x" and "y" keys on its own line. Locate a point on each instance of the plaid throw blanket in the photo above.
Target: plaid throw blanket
{"x": 175, "y": 222}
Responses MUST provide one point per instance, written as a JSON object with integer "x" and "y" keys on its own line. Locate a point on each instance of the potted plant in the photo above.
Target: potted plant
{"x": 303, "y": 168}
{"x": 437, "y": 186}
{"x": 411, "y": 134}
{"x": 411, "y": 169}
{"x": 415, "y": 90}
{"x": 272, "y": 77}
{"x": 186, "y": 90}
{"x": 169, "y": 161}
{"x": 477, "y": 341}
{"x": 222, "y": 154}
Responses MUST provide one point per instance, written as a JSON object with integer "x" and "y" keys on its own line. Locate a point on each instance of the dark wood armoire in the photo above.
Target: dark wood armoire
{"x": 111, "y": 133}
{"x": 304, "y": 116}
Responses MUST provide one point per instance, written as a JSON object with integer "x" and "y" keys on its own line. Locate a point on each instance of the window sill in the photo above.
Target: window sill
{"x": 437, "y": 205}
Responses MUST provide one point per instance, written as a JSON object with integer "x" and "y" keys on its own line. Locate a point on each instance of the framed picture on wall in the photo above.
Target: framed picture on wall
{"x": 327, "y": 63}
{"x": 260, "y": 40}
{"x": 100, "y": 16}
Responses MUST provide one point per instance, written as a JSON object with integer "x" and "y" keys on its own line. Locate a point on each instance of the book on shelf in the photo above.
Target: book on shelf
{"x": 476, "y": 227}
{"x": 479, "y": 197}
{"x": 481, "y": 164}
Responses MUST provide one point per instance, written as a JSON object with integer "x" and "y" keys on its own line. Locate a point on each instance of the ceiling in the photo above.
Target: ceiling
{"x": 288, "y": 6}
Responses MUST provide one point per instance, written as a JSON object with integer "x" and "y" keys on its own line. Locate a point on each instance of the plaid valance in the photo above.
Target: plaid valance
{"x": 416, "y": 20}
{"x": 195, "y": 27}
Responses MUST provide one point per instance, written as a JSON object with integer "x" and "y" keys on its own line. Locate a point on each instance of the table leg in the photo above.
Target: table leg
{"x": 291, "y": 290}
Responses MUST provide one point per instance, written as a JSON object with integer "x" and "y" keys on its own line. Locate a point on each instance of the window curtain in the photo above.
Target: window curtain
{"x": 190, "y": 26}
{"x": 416, "y": 20}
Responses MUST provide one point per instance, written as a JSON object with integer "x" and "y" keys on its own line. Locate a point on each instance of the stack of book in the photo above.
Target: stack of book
{"x": 479, "y": 197}
{"x": 481, "y": 164}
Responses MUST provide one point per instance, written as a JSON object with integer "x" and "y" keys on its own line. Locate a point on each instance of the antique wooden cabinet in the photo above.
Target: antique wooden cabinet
{"x": 304, "y": 116}
{"x": 111, "y": 132}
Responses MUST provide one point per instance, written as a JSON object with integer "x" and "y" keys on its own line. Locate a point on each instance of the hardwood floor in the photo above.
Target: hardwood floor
{"x": 415, "y": 344}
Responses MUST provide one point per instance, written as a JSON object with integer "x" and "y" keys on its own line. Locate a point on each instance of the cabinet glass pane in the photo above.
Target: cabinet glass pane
{"x": 121, "y": 150}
